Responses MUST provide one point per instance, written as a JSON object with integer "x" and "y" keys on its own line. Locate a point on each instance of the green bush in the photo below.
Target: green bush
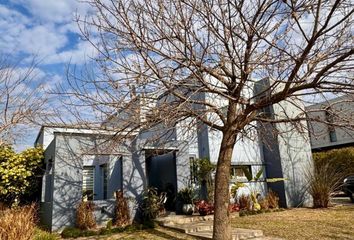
{"x": 203, "y": 170}
{"x": 19, "y": 172}
{"x": 71, "y": 232}
{"x": 150, "y": 205}
{"x": 341, "y": 160}
{"x": 185, "y": 195}
{"x": 44, "y": 235}
{"x": 246, "y": 212}
{"x": 109, "y": 224}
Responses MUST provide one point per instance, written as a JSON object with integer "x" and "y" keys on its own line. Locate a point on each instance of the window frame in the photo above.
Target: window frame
{"x": 193, "y": 169}
{"x": 90, "y": 197}
{"x": 233, "y": 174}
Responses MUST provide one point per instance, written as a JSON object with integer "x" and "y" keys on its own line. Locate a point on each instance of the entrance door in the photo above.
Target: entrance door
{"x": 161, "y": 174}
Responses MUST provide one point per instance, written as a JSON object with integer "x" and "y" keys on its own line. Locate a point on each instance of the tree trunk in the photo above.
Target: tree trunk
{"x": 222, "y": 225}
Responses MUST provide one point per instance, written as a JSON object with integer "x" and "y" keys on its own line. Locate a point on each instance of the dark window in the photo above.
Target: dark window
{"x": 331, "y": 129}
{"x": 104, "y": 171}
{"x": 332, "y": 136}
{"x": 193, "y": 169}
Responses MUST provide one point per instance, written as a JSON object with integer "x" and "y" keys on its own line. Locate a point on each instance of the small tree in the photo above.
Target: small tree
{"x": 204, "y": 170}
{"x": 18, "y": 172}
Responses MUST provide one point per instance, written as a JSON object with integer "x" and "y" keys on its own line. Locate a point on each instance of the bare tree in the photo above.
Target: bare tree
{"x": 160, "y": 59}
{"x": 21, "y": 99}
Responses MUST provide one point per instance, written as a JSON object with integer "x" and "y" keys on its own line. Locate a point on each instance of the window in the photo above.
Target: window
{"x": 332, "y": 136}
{"x": 331, "y": 129}
{"x": 193, "y": 169}
{"x": 266, "y": 111}
{"x": 88, "y": 176}
{"x": 240, "y": 172}
{"x": 104, "y": 172}
{"x": 95, "y": 182}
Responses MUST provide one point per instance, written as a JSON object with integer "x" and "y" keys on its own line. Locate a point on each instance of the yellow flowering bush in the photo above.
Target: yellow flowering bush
{"x": 18, "y": 171}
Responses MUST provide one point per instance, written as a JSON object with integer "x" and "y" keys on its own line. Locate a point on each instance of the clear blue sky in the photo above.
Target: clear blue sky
{"x": 44, "y": 28}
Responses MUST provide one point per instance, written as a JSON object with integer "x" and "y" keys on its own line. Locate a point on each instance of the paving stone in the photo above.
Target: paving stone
{"x": 202, "y": 227}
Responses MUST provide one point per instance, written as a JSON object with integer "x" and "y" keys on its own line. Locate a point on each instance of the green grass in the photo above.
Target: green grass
{"x": 303, "y": 223}
{"x": 43, "y": 235}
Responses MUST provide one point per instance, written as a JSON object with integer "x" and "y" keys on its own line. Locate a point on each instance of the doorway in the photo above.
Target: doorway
{"x": 162, "y": 175}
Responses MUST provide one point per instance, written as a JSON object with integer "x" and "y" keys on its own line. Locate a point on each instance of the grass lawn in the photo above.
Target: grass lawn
{"x": 157, "y": 233}
{"x": 303, "y": 223}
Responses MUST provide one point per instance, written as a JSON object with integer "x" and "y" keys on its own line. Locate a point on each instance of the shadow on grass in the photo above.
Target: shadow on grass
{"x": 163, "y": 234}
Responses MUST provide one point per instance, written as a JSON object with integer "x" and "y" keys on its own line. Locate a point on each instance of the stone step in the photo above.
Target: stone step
{"x": 191, "y": 227}
{"x": 202, "y": 227}
{"x": 204, "y": 230}
{"x": 183, "y": 219}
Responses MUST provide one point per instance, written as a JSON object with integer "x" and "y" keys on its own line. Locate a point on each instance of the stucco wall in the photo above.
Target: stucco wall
{"x": 295, "y": 154}
{"x": 71, "y": 155}
{"x": 319, "y": 132}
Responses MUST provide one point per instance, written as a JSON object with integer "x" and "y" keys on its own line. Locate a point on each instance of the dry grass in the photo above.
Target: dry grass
{"x": 332, "y": 223}
{"x": 157, "y": 233}
{"x": 85, "y": 218}
{"x": 18, "y": 224}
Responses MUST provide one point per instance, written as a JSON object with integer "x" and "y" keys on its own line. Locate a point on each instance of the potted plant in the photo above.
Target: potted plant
{"x": 204, "y": 208}
{"x": 186, "y": 196}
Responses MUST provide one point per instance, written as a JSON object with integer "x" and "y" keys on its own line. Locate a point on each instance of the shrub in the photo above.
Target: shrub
{"x": 244, "y": 201}
{"x": 323, "y": 181}
{"x": 341, "y": 160}
{"x": 84, "y": 216}
{"x": 235, "y": 187}
{"x": 185, "y": 195}
{"x": 109, "y": 224}
{"x": 18, "y": 173}
{"x": 71, "y": 232}
{"x": 273, "y": 199}
{"x": 203, "y": 170}
{"x": 44, "y": 235}
{"x": 264, "y": 203}
{"x": 122, "y": 216}
{"x": 150, "y": 205}
{"x": 18, "y": 223}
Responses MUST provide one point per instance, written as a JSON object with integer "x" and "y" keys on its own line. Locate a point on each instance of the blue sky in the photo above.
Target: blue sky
{"x": 45, "y": 29}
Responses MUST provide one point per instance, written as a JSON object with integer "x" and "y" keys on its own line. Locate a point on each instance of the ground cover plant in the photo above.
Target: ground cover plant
{"x": 303, "y": 223}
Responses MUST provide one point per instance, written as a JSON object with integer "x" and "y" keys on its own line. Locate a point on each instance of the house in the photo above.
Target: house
{"x": 332, "y": 123}
{"x": 90, "y": 161}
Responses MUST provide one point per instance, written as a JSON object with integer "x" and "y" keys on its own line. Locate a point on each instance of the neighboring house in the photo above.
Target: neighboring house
{"x": 86, "y": 160}
{"x": 332, "y": 125}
